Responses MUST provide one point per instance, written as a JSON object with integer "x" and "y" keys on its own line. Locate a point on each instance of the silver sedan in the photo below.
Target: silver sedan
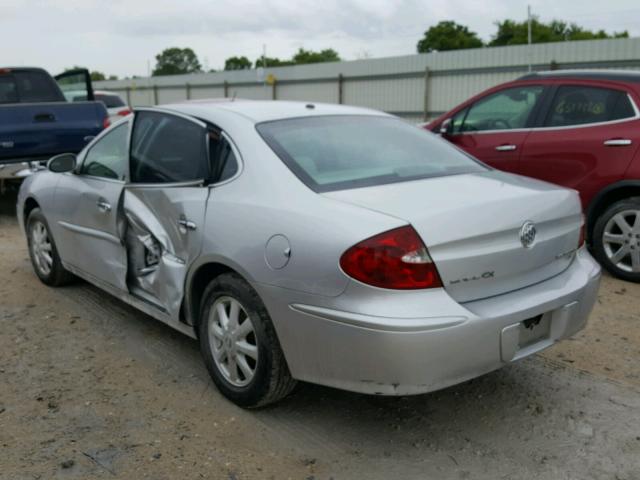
{"x": 329, "y": 244}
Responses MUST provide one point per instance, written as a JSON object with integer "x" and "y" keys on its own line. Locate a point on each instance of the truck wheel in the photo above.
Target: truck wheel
{"x": 240, "y": 346}
{"x": 616, "y": 239}
{"x": 42, "y": 250}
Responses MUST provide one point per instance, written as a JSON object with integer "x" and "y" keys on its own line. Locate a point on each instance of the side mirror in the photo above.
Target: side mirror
{"x": 65, "y": 162}
{"x": 446, "y": 127}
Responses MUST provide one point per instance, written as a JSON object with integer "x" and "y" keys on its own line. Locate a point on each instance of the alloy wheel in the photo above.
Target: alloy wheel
{"x": 621, "y": 240}
{"x": 41, "y": 248}
{"x": 233, "y": 341}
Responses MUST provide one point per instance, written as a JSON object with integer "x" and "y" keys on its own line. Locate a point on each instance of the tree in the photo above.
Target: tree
{"x": 113, "y": 77}
{"x": 97, "y": 76}
{"x": 303, "y": 56}
{"x": 448, "y": 35}
{"x": 272, "y": 62}
{"x": 174, "y": 61}
{"x": 511, "y": 32}
{"x": 237, "y": 63}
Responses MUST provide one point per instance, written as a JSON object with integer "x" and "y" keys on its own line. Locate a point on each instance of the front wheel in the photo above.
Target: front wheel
{"x": 240, "y": 346}
{"x": 43, "y": 252}
{"x": 616, "y": 239}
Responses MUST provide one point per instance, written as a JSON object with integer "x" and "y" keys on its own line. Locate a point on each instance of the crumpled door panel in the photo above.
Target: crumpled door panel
{"x": 158, "y": 251}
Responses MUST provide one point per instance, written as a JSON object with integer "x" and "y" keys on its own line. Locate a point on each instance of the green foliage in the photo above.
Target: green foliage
{"x": 448, "y": 35}
{"x": 96, "y": 76}
{"x": 237, "y": 63}
{"x": 511, "y": 32}
{"x": 175, "y": 61}
{"x": 303, "y": 56}
{"x": 273, "y": 62}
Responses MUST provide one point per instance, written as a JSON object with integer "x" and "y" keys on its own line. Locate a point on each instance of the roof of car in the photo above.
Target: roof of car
{"x": 616, "y": 75}
{"x": 265, "y": 110}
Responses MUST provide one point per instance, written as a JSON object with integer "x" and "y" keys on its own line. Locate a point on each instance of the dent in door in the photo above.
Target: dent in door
{"x": 155, "y": 273}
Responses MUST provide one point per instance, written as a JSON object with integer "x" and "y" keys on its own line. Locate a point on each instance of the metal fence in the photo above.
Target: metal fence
{"x": 415, "y": 87}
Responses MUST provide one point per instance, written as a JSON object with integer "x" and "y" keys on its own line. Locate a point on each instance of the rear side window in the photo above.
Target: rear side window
{"x": 340, "y": 152}
{"x": 28, "y": 87}
{"x": 166, "y": 148}
{"x": 224, "y": 163}
{"x": 579, "y": 105}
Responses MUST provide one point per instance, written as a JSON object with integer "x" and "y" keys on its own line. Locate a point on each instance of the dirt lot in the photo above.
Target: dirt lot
{"x": 89, "y": 388}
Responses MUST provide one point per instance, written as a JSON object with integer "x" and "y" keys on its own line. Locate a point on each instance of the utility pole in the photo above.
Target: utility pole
{"x": 529, "y": 33}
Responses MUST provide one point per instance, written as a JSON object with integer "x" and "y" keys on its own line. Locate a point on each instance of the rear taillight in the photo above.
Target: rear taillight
{"x": 396, "y": 259}
{"x": 124, "y": 113}
{"x": 581, "y": 239}
{"x": 106, "y": 122}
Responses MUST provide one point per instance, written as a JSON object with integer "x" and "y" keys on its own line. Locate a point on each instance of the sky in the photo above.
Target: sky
{"x": 122, "y": 37}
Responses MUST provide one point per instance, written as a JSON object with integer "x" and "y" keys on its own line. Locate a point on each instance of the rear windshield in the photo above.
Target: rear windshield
{"x": 27, "y": 87}
{"x": 341, "y": 152}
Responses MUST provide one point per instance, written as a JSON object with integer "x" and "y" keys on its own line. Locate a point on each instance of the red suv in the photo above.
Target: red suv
{"x": 579, "y": 129}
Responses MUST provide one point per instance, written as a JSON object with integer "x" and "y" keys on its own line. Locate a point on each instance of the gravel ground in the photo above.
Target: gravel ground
{"x": 90, "y": 388}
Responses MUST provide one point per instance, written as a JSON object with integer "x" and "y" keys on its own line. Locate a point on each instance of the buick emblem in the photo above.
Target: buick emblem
{"x": 528, "y": 234}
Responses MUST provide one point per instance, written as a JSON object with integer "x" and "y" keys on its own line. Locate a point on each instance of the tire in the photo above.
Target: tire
{"x": 267, "y": 379}
{"x": 614, "y": 231}
{"x": 43, "y": 252}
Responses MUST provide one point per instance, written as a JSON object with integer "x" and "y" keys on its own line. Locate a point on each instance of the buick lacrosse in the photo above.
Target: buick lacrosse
{"x": 322, "y": 243}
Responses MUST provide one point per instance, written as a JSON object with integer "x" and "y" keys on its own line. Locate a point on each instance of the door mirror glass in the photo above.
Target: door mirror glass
{"x": 446, "y": 127}
{"x": 62, "y": 163}
{"x": 76, "y": 84}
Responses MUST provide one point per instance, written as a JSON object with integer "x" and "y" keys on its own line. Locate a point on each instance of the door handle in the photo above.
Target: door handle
{"x": 506, "y": 148}
{"x": 617, "y": 142}
{"x": 44, "y": 117}
{"x": 185, "y": 224}
{"x": 104, "y": 206}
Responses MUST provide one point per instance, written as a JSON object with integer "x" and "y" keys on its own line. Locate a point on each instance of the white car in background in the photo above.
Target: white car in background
{"x": 116, "y": 106}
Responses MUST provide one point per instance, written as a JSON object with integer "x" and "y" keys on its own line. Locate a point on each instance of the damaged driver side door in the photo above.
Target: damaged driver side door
{"x": 164, "y": 205}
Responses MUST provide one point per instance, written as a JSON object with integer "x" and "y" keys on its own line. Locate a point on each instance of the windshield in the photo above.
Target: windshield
{"x": 341, "y": 152}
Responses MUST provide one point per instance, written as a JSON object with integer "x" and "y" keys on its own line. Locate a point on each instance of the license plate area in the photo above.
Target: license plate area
{"x": 532, "y": 330}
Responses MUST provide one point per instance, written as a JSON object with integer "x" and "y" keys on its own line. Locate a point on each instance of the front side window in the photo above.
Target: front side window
{"x": 107, "y": 158}
{"x": 504, "y": 110}
{"x": 340, "y": 152}
{"x": 580, "y": 105}
{"x": 166, "y": 148}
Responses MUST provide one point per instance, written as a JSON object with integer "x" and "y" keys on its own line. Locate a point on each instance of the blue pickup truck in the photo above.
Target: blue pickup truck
{"x": 36, "y": 120}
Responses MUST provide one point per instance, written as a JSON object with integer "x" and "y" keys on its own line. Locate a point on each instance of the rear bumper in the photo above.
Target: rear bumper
{"x": 355, "y": 343}
{"x": 20, "y": 168}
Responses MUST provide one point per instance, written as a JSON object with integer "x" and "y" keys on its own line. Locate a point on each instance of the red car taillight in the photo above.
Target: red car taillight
{"x": 124, "y": 113}
{"x": 106, "y": 122}
{"x": 581, "y": 239}
{"x": 396, "y": 259}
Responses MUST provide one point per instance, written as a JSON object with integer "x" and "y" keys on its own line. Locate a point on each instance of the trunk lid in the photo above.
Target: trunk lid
{"x": 472, "y": 226}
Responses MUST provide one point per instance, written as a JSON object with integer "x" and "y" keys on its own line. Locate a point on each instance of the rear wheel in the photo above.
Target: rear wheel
{"x": 616, "y": 239}
{"x": 240, "y": 346}
{"x": 42, "y": 250}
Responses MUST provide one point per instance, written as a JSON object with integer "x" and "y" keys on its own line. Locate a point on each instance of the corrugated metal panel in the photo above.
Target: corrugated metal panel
{"x": 171, "y": 95}
{"x": 208, "y": 92}
{"x": 394, "y": 84}
{"x": 403, "y": 94}
{"x": 326, "y": 92}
